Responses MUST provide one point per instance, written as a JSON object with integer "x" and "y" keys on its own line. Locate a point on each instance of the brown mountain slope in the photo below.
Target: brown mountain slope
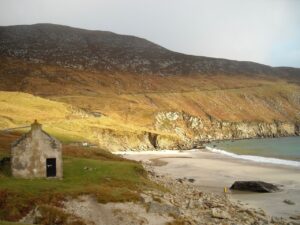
{"x": 143, "y": 87}
{"x": 106, "y": 51}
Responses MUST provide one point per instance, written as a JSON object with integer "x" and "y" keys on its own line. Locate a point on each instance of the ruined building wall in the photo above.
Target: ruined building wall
{"x": 29, "y": 155}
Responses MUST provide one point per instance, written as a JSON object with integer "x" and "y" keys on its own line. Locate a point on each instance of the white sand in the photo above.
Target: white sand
{"x": 94, "y": 213}
{"x": 213, "y": 172}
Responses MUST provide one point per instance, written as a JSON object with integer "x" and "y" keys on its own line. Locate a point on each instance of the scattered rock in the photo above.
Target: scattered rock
{"x": 88, "y": 168}
{"x": 254, "y": 186}
{"x": 191, "y": 180}
{"x": 289, "y": 202}
{"x": 180, "y": 180}
{"x": 295, "y": 217}
{"x": 220, "y": 214}
{"x": 196, "y": 207}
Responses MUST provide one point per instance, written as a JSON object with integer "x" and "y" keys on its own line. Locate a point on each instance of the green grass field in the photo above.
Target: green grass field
{"x": 86, "y": 171}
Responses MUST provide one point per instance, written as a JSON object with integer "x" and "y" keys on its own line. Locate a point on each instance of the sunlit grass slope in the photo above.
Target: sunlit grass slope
{"x": 20, "y": 109}
{"x": 67, "y": 123}
{"x": 248, "y": 100}
{"x": 130, "y": 102}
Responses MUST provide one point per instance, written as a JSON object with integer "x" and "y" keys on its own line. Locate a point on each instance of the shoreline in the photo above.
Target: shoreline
{"x": 212, "y": 172}
{"x": 255, "y": 158}
{"x": 253, "y": 138}
{"x": 250, "y": 158}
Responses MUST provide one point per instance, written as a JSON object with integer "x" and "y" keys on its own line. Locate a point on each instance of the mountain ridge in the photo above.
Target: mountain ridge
{"x": 107, "y": 51}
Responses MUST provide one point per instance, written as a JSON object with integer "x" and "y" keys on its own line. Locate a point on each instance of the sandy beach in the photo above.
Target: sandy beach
{"x": 213, "y": 171}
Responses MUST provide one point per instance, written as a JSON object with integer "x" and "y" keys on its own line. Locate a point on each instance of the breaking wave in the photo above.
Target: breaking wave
{"x": 255, "y": 158}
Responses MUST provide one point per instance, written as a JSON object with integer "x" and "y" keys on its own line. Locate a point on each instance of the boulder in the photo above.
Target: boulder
{"x": 254, "y": 186}
{"x": 289, "y": 202}
{"x": 191, "y": 180}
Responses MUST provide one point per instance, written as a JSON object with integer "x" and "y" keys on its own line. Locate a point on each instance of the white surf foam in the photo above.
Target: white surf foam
{"x": 159, "y": 152}
{"x": 255, "y": 158}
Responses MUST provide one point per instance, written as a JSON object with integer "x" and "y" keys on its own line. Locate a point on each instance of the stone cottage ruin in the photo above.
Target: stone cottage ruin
{"x": 36, "y": 155}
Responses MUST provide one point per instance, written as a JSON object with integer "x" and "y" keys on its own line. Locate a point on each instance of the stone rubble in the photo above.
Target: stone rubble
{"x": 195, "y": 207}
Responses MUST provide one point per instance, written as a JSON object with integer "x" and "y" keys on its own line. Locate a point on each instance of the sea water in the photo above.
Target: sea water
{"x": 285, "y": 150}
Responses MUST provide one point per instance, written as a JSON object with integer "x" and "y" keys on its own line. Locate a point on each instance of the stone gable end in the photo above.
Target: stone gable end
{"x": 37, "y": 155}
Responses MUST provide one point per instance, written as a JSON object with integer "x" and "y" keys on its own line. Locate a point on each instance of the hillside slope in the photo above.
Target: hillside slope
{"x": 73, "y": 125}
{"x": 147, "y": 96}
{"x": 107, "y": 51}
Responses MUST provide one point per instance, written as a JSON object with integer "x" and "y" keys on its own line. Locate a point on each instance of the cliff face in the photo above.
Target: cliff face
{"x": 121, "y": 141}
{"x": 141, "y": 95}
{"x": 175, "y": 130}
{"x": 193, "y": 130}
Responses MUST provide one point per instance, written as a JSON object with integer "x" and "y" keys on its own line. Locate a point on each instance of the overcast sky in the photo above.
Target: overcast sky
{"x": 264, "y": 31}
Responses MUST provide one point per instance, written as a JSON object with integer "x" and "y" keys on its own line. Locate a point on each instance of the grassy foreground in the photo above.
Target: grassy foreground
{"x": 10, "y": 223}
{"x": 86, "y": 171}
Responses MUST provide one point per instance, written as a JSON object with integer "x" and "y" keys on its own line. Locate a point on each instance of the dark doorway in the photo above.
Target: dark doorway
{"x": 51, "y": 167}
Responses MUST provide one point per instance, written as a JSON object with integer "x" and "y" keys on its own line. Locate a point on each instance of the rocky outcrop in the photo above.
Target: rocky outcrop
{"x": 179, "y": 130}
{"x": 191, "y": 129}
{"x": 115, "y": 140}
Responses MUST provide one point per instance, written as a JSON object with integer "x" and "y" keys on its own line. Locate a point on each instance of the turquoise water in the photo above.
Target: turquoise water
{"x": 285, "y": 148}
